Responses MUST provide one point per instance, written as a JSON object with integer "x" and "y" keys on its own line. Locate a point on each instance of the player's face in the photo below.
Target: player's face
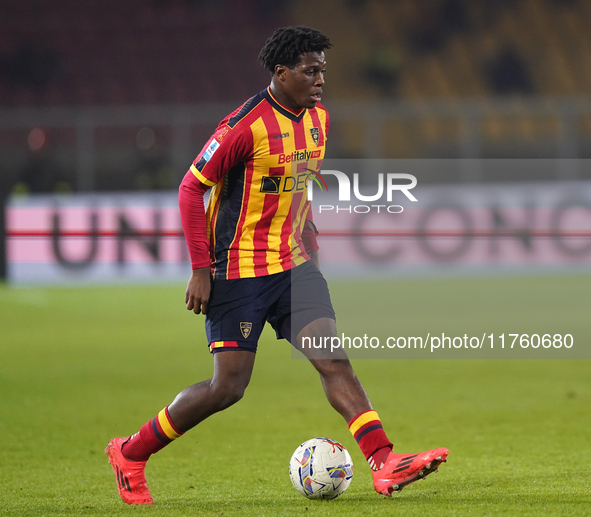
{"x": 303, "y": 84}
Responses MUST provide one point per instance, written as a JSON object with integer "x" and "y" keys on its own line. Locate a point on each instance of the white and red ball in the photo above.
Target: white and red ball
{"x": 321, "y": 468}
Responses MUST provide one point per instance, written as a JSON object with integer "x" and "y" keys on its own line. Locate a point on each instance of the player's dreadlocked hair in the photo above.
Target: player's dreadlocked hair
{"x": 286, "y": 46}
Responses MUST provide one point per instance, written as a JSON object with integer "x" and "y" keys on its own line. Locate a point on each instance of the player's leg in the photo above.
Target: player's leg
{"x": 233, "y": 324}
{"x": 345, "y": 393}
{"x": 231, "y": 374}
{"x": 311, "y": 316}
{"x": 128, "y": 456}
{"x": 343, "y": 389}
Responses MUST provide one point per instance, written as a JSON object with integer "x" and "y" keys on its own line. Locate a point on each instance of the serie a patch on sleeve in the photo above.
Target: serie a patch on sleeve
{"x": 211, "y": 148}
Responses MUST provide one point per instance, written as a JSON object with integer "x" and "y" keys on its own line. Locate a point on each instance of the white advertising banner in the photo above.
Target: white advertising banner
{"x": 480, "y": 228}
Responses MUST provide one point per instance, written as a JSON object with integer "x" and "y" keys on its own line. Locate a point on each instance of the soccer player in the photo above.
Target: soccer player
{"x": 254, "y": 259}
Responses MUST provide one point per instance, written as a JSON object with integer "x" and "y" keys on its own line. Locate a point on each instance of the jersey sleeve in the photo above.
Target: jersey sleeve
{"x": 226, "y": 148}
{"x": 193, "y": 220}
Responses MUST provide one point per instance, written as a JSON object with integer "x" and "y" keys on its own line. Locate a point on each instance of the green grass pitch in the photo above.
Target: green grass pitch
{"x": 81, "y": 365}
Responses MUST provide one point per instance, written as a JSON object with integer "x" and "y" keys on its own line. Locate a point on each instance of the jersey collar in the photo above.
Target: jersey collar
{"x": 286, "y": 112}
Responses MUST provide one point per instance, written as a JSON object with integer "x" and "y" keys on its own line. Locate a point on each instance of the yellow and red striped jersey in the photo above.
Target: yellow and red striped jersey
{"x": 258, "y": 163}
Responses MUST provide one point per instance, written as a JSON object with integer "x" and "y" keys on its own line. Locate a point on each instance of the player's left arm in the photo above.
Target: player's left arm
{"x": 314, "y": 258}
{"x": 309, "y": 240}
{"x": 309, "y": 231}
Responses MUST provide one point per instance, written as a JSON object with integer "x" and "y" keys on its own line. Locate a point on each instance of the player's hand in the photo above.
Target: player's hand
{"x": 198, "y": 289}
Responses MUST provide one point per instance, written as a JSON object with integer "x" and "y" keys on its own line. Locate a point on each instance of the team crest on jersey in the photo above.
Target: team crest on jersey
{"x": 245, "y": 328}
{"x": 314, "y": 131}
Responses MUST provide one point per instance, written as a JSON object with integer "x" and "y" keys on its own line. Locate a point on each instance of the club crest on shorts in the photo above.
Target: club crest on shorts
{"x": 315, "y": 134}
{"x": 245, "y": 328}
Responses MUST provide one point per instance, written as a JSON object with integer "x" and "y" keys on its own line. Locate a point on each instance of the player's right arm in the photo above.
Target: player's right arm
{"x": 198, "y": 290}
{"x": 194, "y": 224}
{"x": 224, "y": 150}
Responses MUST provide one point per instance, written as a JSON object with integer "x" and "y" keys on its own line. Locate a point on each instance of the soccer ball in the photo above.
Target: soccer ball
{"x": 321, "y": 469}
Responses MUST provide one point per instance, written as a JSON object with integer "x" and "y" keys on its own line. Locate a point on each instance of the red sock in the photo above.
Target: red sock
{"x": 369, "y": 434}
{"x": 153, "y": 436}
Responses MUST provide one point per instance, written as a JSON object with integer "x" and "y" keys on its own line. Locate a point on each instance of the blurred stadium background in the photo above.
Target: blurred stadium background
{"x": 103, "y": 105}
{"x": 106, "y": 96}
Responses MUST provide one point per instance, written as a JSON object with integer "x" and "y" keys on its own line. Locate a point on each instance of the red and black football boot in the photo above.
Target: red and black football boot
{"x": 400, "y": 470}
{"x": 131, "y": 481}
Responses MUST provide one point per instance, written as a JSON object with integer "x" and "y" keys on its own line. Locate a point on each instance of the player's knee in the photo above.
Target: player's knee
{"x": 227, "y": 394}
{"x": 332, "y": 367}
{"x": 232, "y": 396}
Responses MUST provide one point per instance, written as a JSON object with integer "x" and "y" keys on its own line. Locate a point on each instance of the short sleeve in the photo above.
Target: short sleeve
{"x": 226, "y": 148}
